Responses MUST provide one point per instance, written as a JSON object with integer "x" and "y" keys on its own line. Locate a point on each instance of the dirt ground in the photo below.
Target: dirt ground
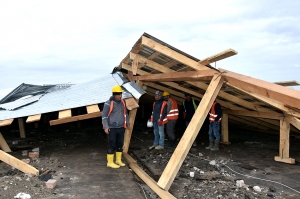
{"x": 243, "y": 169}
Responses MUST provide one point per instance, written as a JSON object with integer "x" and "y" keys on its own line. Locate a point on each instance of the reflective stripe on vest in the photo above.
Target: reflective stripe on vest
{"x": 212, "y": 114}
{"x": 165, "y": 120}
{"x": 111, "y": 108}
{"x": 173, "y": 114}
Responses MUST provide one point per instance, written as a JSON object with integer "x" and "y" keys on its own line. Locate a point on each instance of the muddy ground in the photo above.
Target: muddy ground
{"x": 243, "y": 169}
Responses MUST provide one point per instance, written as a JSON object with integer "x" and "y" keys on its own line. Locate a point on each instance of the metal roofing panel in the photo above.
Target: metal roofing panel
{"x": 92, "y": 92}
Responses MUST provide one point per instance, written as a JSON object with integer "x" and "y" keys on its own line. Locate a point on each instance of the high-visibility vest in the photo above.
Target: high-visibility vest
{"x": 212, "y": 114}
{"x": 194, "y": 104}
{"x": 173, "y": 113}
{"x": 125, "y": 111}
{"x": 165, "y": 120}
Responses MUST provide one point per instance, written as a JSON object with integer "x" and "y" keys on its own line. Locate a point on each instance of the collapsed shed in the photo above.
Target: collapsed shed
{"x": 152, "y": 64}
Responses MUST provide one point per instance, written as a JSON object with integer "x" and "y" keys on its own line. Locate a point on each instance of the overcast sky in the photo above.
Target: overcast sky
{"x": 51, "y": 42}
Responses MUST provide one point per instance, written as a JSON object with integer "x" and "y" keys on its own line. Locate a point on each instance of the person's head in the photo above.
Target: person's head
{"x": 166, "y": 95}
{"x": 117, "y": 92}
{"x": 157, "y": 95}
{"x": 187, "y": 96}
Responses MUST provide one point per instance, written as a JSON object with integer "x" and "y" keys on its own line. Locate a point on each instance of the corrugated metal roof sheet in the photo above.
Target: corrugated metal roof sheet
{"x": 92, "y": 92}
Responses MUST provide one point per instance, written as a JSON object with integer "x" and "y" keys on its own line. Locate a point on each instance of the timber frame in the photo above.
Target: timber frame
{"x": 246, "y": 102}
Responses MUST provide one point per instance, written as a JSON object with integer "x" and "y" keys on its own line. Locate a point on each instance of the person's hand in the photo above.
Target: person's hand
{"x": 106, "y": 131}
{"x": 160, "y": 123}
{"x": 184, "y": 114}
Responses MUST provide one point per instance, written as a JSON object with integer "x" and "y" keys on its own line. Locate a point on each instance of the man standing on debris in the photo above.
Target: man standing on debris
{"x": 115, "y": 121}
{"x": 159, "y": 118}
{"x": 189, "y": 108}
{"x": 215, "y": 117}
{"x": 172, "y": 116}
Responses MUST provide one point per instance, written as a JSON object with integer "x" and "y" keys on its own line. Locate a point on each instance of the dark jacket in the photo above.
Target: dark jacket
{"x": 189, "y": 108}
{"x": 156, "y": 110}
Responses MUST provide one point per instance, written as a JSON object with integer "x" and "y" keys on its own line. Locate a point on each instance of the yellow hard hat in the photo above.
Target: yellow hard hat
{"x": 166, "y": 93}
{"x": 117, "y": 89}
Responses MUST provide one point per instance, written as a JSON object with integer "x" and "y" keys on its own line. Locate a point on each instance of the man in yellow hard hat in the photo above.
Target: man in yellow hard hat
{"x": 172, "y": 115}
{"x": 115, "y": 121}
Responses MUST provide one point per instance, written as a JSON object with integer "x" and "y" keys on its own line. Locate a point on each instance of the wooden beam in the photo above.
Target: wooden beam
{"x": 22, "y": 128}
{"x": 92, "y": 108}
{"x": 282, "y": 94}
{"x": 18, "y": 164}
{"x": 294, "y": 121}
{"x": 224, "y": 130}
{"x": 274, "y": 103}
{"x": 270, "y": 115}
{"x": 202, "y": 75}
{"x": 34, "y": 118}
{"x": 64, "y": 113}
{"x": 288, "y": 83}
{"x": 147, "y": 179}
{"x": 190, "y": 133}
{"x": 173, "y": 54}
{"x": 284, "y": 145}
{"x": 6, "y": 122}
{"x": 75, "y": 118}
{"x": 128, "y": 131}
{"x": 131, "y": 103}
{"x": 3, "y": 144}
{"x": 217, "y": 57}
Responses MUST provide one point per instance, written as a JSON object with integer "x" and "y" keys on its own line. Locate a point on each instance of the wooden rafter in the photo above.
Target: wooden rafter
{"x": 271, "y": 115}
{"x": 34, "y": 118}
{"x": 282, "y": 94}
{"x": 75, "y": 118}
{"x": 190, "y": 134}
{"x": 219, "y": 56}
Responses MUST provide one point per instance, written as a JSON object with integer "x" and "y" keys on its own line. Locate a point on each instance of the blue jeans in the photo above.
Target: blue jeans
{"x": 159, "y": 134}
{"x": 214, "y": 131}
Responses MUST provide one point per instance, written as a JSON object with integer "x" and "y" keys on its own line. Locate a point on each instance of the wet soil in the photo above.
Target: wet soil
{"x": 74, "y": 154}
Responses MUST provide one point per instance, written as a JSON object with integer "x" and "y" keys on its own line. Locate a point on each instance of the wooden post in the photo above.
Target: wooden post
{"x": 224, "y": 126}
{"x": 3, "y": 144}
{"x": 284, "y": 143}
{"x": 190, "y": 133}
{"x": 22, "y": 128}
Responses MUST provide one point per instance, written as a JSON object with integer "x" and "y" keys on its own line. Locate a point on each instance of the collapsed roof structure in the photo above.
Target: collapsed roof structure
{"x": 154, "y": 65}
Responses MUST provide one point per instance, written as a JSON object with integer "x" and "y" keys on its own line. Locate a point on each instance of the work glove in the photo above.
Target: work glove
{"x": 160, "y": 123}
{"x": 184, "y": 114}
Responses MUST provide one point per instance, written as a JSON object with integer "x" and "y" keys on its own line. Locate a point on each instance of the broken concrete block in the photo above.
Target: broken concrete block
{"x": 33, "y": 155}
{"x": 50, "y": 184}
{"x": 257, "y": 188}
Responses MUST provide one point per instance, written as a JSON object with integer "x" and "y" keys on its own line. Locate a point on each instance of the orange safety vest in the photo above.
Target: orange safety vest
{"x": 165, "y": 120}
{"x": 212, "y": 114}
{"x": 125, "y": 112}
{"x": 173, "y": 114}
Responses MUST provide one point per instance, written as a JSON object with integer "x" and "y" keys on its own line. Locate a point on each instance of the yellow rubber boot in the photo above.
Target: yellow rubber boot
{"x": 118, "y": 159}
{"x": 110, "y": 162}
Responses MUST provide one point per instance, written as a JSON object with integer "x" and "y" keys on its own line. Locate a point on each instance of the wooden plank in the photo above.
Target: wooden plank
{"x": 288, "y": 83}
{"x": 271, "y": 115}
{"x": 279, "y": 93}
{"x": 22, "y": 128}
{"x": 219, "y": 56}
{"x": 202, "y": 75}
{"x": 284, "y": 145}
{"x": 190, "y": 133}
{"x": 34, "y": 118}
{"x": 150, "y": 182}
{"x": 173, "y": 54}
{"x": 3, "y": 144}
{"x": 224, "y": 126}
{"x": 128, "y": 158}
{"x": 64, "y": 113}
{"x": 294, "y": 121}
{"x": 274, "y": 103}
{"x": 130, "y": 76}
{"x": 6, "y": 122}
{"x": 128, "y": 131}
{"x": 131, "y": 103}
{"x": 92, "y": 108}
{"x": 75, "y": 118}
{"x": 18, "y": 164}
{"x": 135, "y": 64}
